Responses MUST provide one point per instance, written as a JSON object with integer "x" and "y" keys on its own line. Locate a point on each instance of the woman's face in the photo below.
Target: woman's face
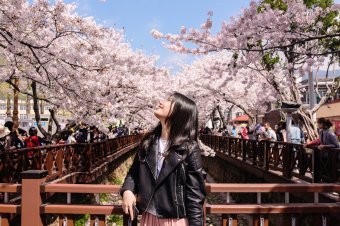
{"x": 320, "y": 125}
{"x": 163, "y": 109}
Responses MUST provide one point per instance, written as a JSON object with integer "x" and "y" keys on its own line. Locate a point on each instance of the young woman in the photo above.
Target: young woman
{"x": 166, "y": 174}
{"x": 327, "y": 137}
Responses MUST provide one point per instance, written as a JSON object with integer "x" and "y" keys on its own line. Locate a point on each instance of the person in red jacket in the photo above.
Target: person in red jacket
{"x": 244, "y": 132}
{"x": 33, "y": 140}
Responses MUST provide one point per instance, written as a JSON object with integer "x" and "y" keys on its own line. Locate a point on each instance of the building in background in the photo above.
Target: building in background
{"x": 27, "y": 116}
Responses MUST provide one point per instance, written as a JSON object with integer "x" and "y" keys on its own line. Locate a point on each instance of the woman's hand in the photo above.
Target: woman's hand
{"x": 129, "y": 201}
{"x": 322, "y": 147}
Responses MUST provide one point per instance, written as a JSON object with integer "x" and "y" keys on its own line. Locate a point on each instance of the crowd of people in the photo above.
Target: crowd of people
{"x": 257, "y": 132}
{"x": 10, "y": 140}
{"x": 78, "y": 133}
{"x": 326, "y": 138}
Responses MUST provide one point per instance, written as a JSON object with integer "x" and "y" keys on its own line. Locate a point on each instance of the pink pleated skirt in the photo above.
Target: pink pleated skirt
{"x": 152, "y": 220}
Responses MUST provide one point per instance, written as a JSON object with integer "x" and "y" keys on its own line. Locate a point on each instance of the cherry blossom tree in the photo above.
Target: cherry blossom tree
{"x": 210, "y": 83}
{"x": 280, "y": 39}
{"x": 51, "y": 54}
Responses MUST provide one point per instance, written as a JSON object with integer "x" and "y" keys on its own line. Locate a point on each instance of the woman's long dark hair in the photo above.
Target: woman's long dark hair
{"x": 182, "y": 123}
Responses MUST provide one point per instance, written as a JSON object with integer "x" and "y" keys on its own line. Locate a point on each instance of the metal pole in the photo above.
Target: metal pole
{"x": 311, "y": 90}
{"x": 289, "y": 126}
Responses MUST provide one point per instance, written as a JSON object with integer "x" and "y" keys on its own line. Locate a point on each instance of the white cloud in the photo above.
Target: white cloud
{"x": 155, "y": 23}
{"x": 175, "y": 60}
{"x": 84, "y": 7}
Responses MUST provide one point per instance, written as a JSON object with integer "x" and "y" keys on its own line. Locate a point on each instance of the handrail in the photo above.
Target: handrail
{"x": 80, "y": 188}
{"x": 82, "y": 209}
{"x": 254, "y": 188}
{"x": 274, "y": 208}
{"x": 47, "y": 147}
{"x": 9, "y": 208}
{"x": 210, "y": 188}
{"x": 11, "y": 188}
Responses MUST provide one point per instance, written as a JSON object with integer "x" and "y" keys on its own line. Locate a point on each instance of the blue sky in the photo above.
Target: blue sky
{"x": 138, "y": 17}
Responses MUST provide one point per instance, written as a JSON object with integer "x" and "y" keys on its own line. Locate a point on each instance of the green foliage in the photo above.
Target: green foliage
{"x": 104, "y": 197}
{"x": 80, "y": 220}
{"x": 235, "y": 56}
{"x": 328, "y": 21}
{"x": 274, "y": 4}
{"x": 281, "y": 4}
{"x": 269, "y": 61}
{"x": 321, "y": 3}
{"x": 117, "y": 181}
{"x": 115, "y": 219}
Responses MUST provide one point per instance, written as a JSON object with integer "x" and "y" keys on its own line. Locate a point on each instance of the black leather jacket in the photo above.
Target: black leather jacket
{"x": 179, "y": 190}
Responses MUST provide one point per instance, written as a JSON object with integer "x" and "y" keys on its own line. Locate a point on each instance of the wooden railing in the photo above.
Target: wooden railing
{"x": 60, "y": 160}
{"x": 34, "y": 209}
{"x": 260, "y": 211}
{"x": 290, "y": 159}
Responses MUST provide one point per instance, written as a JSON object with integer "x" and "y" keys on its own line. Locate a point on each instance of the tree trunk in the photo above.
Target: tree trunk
{"x": 307, "y": 119}
{"x": 212, "y": 119}
{"x": 36, "y": 110}
{"x": 15, "y": 117}
{"x": 57, "y": 134}
{"x": 42, "y": 110}
{"x": 230, "y": 111}
{"x": 50, "y": 125}
{"x": 28, "y": 106}
{"x": 221, "y": 117}
{"x": 8, "y": 107}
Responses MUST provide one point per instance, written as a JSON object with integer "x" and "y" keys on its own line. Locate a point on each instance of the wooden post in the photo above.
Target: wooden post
{"x": 316, "y": 165}
{"x": 229, "y": 146}
{"x": 205, "y": 201}
{"x": 4, "y": 219}
{"x": 286, "y": 159}
{"x": 333, "y": 154}
{"x": 31, "y": 198}
{"x": 266, "y": 155}
{"x": 254, "y": 151}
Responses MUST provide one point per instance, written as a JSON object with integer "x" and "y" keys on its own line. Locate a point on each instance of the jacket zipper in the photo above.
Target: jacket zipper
{"x": 182, "y": 193}
{"x": 176, "y": 201}
{"x": 183, "y": 171}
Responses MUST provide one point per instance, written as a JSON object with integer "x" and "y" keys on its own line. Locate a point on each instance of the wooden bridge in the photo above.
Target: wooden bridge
{"x": 56, "y": 169}
{"x": 284, "y": 159}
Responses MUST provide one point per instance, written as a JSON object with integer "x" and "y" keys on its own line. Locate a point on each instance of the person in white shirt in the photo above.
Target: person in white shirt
{"x": 270, "y": 133}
